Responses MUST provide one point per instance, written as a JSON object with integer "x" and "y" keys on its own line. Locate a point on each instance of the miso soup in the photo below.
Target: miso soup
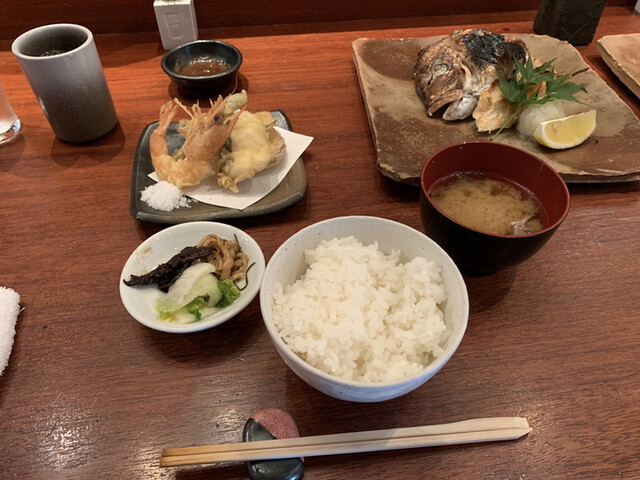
{"x": 489, "y": 203}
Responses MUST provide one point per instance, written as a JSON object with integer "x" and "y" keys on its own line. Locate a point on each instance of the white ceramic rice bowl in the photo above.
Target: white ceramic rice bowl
{"x": 287, "y": 265}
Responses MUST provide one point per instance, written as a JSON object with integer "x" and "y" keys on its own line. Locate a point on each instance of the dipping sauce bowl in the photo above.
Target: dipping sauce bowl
{"x": 177, "y": 63}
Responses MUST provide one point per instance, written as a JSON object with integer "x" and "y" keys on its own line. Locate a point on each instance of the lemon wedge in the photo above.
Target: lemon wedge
{"x": 566, "y": 132}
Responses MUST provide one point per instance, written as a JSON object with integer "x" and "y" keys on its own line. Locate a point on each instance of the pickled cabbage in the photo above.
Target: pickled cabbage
{"x": 192, "y": 297}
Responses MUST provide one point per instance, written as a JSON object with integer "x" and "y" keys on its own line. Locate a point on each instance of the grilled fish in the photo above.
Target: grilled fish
{"x": 455, "y": 71}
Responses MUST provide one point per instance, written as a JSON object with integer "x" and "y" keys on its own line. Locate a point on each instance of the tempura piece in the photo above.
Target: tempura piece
{"x": 254, "y": 145}
{"x": 205, "y": 133}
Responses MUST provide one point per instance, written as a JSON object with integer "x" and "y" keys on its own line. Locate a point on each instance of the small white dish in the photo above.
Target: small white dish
{"x": 159, "y": 248}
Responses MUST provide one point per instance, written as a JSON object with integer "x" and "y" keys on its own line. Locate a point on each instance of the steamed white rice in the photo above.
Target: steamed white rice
{"x": 360, "y": 314}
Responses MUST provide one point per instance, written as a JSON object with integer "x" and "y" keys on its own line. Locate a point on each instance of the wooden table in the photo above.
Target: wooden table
{"x": 91, "y": 393}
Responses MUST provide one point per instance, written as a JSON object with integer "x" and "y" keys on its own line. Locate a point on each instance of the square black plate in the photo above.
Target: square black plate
{"x": 289, "y": 191}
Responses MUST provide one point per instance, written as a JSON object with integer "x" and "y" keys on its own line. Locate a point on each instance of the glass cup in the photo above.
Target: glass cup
{"x": 9, "y": 121}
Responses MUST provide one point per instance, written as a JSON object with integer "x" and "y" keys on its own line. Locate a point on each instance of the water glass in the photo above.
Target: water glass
{"x": 9, "y": 121}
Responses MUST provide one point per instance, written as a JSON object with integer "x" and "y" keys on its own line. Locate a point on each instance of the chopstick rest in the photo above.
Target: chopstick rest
{"x": 468, "y": 431}
{"x": 272, "y": 424}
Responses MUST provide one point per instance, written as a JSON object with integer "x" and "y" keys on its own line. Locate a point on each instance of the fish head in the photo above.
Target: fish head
{"x": 439, "y": 78}
{"x": 452, "y": 72}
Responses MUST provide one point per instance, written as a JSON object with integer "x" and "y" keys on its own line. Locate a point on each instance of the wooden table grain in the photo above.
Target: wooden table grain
{"x": 91, "y": 393}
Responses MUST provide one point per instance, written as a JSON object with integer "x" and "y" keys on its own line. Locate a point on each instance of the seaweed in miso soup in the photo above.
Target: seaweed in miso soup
{"x": 489, "y": 203}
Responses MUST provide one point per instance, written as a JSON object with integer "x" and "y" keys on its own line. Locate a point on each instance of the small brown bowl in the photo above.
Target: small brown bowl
{"x": 175, "y": 60}
{"x": 475, "y": 251}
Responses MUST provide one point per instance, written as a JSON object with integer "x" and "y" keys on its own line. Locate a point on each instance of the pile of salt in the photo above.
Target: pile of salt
{"x": 164, "y": 196}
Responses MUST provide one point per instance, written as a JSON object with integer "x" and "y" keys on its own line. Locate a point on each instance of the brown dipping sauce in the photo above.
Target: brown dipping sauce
{"x": 203, "y": 67}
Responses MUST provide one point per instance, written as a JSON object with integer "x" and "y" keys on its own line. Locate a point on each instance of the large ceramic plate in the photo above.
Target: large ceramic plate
{"x": 157, "y": 249}
{"x": 405, "y": 137}
{"x": 288, "y": 192}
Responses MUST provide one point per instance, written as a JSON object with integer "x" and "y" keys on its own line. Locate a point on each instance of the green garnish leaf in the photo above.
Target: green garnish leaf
{"x": 523, "y": 89}
{"x": 560, "y": 89}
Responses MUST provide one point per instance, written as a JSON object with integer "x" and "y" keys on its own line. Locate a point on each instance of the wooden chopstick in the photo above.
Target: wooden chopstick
{"x": 468, "y": 431}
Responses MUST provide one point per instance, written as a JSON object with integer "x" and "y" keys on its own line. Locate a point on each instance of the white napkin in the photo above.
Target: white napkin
{"x": 9, "y": 310}
{"x": 256, "y": 188}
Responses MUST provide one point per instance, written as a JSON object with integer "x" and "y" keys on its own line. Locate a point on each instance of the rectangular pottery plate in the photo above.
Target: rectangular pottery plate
{"x": 405, "y": 137}
{"x": 622, "y": 54}
{"x": 288, "y": 192}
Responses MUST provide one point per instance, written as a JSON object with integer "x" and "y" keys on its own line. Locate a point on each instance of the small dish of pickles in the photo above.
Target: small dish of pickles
{"x": 191, "y": 277}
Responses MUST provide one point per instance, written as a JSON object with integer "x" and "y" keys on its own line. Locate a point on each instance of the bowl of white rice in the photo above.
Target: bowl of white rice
{"x": 363, "y": 309}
